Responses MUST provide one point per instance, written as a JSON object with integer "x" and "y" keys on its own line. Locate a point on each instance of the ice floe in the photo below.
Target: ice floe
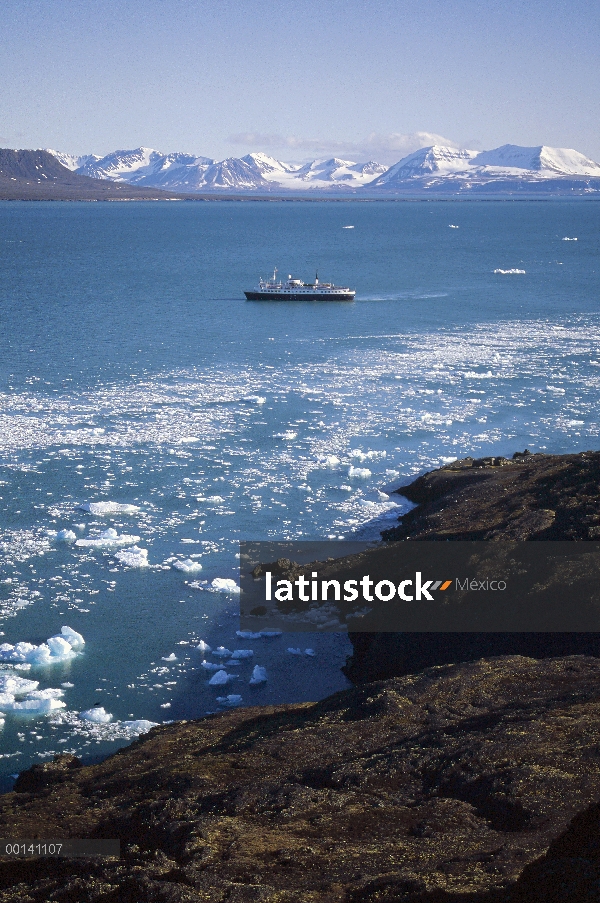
{"x": 220, "y": 678}
{"x": 66, "y": 536}
{"x": 108, "y": 539}
{"x": 188, "y": 566}
{"x": 224, "y": 585}
{"x": 259, "y": 675}
{"x": 133, "y": 557}
{"x": 358, "y": 472}
{"x": 222, "y": 652}
{"x": 19, "y": 696}
{"x": 97, "y": 714}
{"x": 210, "y": 666}
{"x": 203, "y": 647}
{"x": 103, "y": 508}
{"x": 59, "y": 648}
{"x": 512, "y": 272}
{"x": 229, "y": 701}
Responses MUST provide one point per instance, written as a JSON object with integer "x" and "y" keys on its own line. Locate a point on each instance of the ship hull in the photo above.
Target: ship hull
{"x": 299, "y": 296}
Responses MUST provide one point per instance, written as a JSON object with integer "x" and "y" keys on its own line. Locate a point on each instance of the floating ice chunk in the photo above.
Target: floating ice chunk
{"x": 133, "y": 557}
{"x": 188, "y": 566}
{"x": 230, "y": 701}
{"x": 209, "y": 666}
{"x": 294, "y": 651}
{"x": 242, "y": 653}
{"x": 55, "y": 649}
{"x": 203, "y": 647}
{"x": 346, "y": 488}
{"x": 67, "y": 685}
{"x": 247, "y": 635}
{"x": 98, "y": 715}
{"x": 214, "y": 499}
{"x": 169, "y": 658}
{"x": 309, "y": 652}
{"x": 512, "y": 272}
{"x": 256, "y": 399}
{"x": 142, "y": 726}
{"x": 73, "y": 638}
{"x": 287, "y": 434}
{"x": 35, "y": 706}
{"x": 359, "y": 472}
{"x": 66, "y": 536}
{"x": 330, "y": 460}
{"x": 451, "y": 226}
{"x": 566, "y": 238}
{"x": 222, "y": 652}
{"x": 224, "y": 585}
{"x": 259, "y": 675}
{"x": 108, "y": 508}
{"x": 16, "y": 686}
{"x": 219, "y": 679}
{"x": 347, "y": 227}
{"x": 107, "y": 540}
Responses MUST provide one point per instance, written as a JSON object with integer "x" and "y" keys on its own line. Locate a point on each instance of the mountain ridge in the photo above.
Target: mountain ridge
{"x": 506, "y": 169}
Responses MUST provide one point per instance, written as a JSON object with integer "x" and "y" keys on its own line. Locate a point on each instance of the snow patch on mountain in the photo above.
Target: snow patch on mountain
{"x": 72, "y": 161}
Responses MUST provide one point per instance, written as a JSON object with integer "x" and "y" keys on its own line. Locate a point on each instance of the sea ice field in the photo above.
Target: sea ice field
{"x": 151, "y": 418}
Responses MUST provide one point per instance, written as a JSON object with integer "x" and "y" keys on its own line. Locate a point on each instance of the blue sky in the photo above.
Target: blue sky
{"x": 299, "y": 79}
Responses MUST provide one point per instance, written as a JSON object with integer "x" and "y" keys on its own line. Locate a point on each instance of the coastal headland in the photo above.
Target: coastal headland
{"x": 471, "y": 779}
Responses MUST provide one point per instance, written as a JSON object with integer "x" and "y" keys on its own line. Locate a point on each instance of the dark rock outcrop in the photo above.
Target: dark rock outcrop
{"x": 457, "y": 784}
{"x": 529, "y": 497}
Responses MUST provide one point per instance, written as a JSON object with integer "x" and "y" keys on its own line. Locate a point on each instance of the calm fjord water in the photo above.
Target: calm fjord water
{"x": 133, "y": 371}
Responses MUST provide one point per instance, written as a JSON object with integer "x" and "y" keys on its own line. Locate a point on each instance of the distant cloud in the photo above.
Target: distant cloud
{"x": 382, "y": 148}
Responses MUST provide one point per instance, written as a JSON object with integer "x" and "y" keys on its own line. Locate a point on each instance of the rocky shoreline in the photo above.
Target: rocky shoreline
{"x": 446, "y": 779}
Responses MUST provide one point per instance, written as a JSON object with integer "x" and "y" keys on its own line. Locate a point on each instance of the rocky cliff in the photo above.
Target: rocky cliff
{"x": 528, "y": 497}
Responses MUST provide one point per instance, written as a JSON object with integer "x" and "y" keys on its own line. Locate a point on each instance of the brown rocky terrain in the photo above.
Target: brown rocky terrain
{"x": 526, "y": 498}
{"x": 444, "y": 785}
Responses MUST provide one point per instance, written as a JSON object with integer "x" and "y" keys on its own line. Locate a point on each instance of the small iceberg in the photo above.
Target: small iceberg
{"x": 513, "y": 272}
{"x": 188, "y": 566}
{"x": 98, "y": 715}
{"x": 219, "y": 679}
{"x": 295, "y": 650}
{"x": 222, "y": 652}
{"x": 209, "y": 666}
{"x": 229, "y": 701}
{"x": 66, "y": 536}
{"x": 133, "y": 557}
{"x": 224, "y": 585}
{"x": 259, "y": 675}
{"x": 248, "y": 635}
{"x": 169, "y": 658}
{"x": 242, "y": 653}
{"x": 361, "y": 473}
{"x": 59, "y": 648}
{"x": 203, "y": 647}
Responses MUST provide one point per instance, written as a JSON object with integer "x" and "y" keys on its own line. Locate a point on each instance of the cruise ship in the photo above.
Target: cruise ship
{"x": 275, "y": 289}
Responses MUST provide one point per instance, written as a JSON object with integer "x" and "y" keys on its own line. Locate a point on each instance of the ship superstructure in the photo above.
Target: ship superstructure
{"x": 275, "y": 289}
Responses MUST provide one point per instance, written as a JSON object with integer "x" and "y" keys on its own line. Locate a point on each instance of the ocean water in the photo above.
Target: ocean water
{"x": 132, "y": 371}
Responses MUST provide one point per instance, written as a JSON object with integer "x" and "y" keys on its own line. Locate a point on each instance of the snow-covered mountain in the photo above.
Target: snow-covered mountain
{"x": 448, "y": 168}
{"x": 431, "y": 169}
{"x": 329, "y": 174}
{"x": 71, "y": 161}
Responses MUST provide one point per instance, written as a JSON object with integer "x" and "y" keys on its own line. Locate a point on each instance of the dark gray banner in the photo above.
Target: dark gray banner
{"x": 420, "y": 586}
